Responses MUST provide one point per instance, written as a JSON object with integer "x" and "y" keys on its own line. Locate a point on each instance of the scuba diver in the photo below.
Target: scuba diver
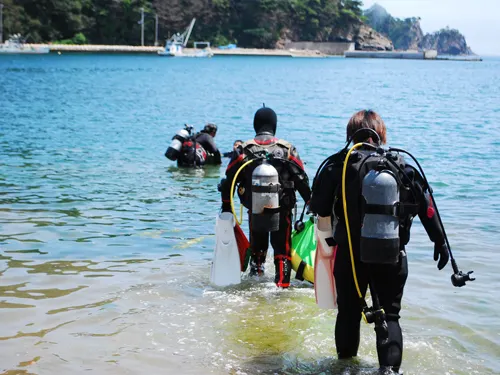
{"x": 271, "y": 173}
{"x": 231, "y": 154}
{"x": 372, "y": 195}
{"x": 206, "y": 139}
{"x": 194, "y": 150}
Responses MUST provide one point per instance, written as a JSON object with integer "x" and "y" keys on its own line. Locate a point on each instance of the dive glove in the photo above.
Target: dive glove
{"x": 441, "y": 252}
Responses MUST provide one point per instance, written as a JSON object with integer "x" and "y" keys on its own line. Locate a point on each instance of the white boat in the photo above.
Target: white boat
{"x": 15, "y": 45}
{"x": 174, "y": 47}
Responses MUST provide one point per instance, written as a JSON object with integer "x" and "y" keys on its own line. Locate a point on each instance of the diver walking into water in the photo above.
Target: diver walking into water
{"x": 373, "y": 196}
{"x": 271, "y": 172}
{"x": 194, "y": 150}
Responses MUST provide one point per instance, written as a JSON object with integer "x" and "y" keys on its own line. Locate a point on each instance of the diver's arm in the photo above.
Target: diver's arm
{"x": 299, "y": 176}
{"x": 210, "y": 145}
{"x": 429, "y": 218}
{"x": 217, "y": 159}
{"x": 426, "y": 212}
{"x": 225, "y": 184}
{"x": 323, "y": 194}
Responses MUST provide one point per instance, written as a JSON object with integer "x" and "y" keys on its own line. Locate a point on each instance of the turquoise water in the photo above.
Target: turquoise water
{"x": 105, "y": 246}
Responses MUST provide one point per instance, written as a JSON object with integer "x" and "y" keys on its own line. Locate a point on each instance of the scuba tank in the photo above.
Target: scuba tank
{"x": 380, "y": 229}
{"x": 175, "y": 147}
{"x": 265, "y": 198}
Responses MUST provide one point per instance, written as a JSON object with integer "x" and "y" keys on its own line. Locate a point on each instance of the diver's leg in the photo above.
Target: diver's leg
{"x": 389, "y": 283}
{"x": 259, "y": 243}
{"x": 281, "y": 242}
{"x": 347, "y": 325}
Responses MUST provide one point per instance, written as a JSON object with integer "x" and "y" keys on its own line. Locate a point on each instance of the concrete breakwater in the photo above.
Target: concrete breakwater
{"x": 297, "y": 49}
{"x": 407, "y": 55}
{"x": 92, "y": 48}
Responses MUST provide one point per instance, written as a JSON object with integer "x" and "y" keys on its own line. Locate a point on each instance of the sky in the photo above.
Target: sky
{"x": 477, "y": 20}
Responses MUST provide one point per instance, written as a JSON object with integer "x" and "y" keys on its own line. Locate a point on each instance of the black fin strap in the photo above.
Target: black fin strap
{"x": 299, "y": 275}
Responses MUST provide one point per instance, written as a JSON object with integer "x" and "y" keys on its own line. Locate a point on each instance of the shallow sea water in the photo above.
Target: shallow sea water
{"x": 105, "y": 246}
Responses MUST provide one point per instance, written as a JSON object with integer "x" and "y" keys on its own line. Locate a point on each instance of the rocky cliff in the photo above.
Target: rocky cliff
{"x": 406, "y": 34}
{"x": 363, "y": 36}
{"x": 446, "y": 42}
{"x": 367, "y": 39}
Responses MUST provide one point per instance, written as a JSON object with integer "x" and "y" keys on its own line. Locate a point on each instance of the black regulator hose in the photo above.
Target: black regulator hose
{"x": 458, "y": 278}
{"x": 299, "y": 224}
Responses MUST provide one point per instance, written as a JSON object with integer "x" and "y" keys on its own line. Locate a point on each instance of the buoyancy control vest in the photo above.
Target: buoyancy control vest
{"x": 185, "y": 149}
{"x": 192, "y": 154}
{"x": 278, "y": 153}
{"x": 380, "y": 202}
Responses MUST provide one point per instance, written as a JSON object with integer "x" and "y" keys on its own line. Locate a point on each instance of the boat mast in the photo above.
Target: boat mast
{"x": 190, "y": 28}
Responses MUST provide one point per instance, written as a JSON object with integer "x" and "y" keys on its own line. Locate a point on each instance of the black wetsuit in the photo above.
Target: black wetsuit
{"x": 388, "y": 280}
{"x": 292, "y": 178}
{"x": 208, "y": 143}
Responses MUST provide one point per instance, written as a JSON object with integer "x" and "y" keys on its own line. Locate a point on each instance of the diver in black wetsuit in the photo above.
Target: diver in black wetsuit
{"x": 232, "y": 154}
{"x": 386, "y": 281}
{"x": 194, "y": 150}
{"x": 206, "y": 139}
{"x": 285, "y": 159}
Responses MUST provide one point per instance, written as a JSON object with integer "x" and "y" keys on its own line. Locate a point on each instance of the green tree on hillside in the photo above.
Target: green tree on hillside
{"x": 250, "y": 23}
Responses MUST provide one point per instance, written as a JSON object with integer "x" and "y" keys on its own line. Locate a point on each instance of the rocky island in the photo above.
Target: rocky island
{"x": 406, "y": 34}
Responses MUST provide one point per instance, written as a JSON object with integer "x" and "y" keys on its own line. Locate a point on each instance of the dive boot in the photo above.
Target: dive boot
{"x": 283, "y": 269}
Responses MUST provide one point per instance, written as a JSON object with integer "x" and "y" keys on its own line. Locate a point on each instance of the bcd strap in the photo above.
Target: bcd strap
{"x": 397, "y": 210}
{"x": 268, "y": 210}
{"x": 288, "y": 185}
{"x": 381, "y": 209}
{"x": 266, "y": 189}
{"x": 408, "y": 209}
{"x": 299, "y": 275}
{"x": 330, "y": 242}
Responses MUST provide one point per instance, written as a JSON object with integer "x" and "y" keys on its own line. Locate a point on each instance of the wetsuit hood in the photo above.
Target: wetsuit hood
{"x": 265, "y": 121}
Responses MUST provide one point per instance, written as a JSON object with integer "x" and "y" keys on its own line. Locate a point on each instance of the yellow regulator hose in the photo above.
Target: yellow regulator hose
{"x": 232, "y": 193}
{"x": 344, "y": 201}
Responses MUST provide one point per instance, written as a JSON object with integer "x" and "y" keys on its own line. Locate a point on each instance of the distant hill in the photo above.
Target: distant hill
{"x": 248, "y": 23}
{"x": 406, "y": 34}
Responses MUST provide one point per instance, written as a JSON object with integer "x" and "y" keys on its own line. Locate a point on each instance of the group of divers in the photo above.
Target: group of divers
{"x": 363, "y": 200}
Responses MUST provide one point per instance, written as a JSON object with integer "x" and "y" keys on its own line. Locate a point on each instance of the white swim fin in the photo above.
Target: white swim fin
{"x": 226, "y": 259}
{"x": 324, "y": 281}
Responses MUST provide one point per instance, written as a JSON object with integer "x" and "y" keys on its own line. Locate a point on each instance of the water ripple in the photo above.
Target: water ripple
{"x": 104, "y": 243}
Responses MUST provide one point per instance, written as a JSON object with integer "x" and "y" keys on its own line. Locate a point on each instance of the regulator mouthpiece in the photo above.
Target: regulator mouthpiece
{"x": 459, "y": 279}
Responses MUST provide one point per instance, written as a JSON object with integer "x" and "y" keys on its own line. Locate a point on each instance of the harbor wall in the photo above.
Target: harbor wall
{"x": 102, "y": 48}
{"x": 328, "y": 48}
{"x": 407, "y": 55}
{"x": 92, "y": 48}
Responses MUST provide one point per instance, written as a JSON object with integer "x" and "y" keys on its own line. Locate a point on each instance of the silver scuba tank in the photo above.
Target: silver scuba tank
{"x": 175, "y": 147}
{"x": 380, "y": 229}
{"x": 265, "y": 198}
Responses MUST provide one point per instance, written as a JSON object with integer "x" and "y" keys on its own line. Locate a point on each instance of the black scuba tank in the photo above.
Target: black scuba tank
{"x": 380, "y": 229}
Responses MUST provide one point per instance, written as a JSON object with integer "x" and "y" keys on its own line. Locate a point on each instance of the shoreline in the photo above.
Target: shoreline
{"x": 189, "y": 52}
{"x": 98, "y": 48}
